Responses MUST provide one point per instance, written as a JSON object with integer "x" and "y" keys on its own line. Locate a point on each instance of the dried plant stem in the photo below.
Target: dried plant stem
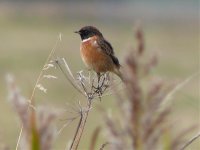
{"x": 67, "y": 77}
{"x": 88, "y": 90}
{"x": 42, "y": 70}
{"x": 178, "y": 87}
{"x": 94, "y": 138}
{"x": 190, "y": 141}
{"x": 80, "y": 127}
{"x": 19, "y": 137}
{"x": 37, "y": 81}
{"x": 104, "y": 145}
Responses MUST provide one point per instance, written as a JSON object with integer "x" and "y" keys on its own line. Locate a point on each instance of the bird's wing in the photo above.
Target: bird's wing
{"x": 106, "y": 47}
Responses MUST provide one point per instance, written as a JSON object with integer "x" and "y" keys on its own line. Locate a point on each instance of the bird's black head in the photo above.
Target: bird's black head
{"x": 88, "y": 31}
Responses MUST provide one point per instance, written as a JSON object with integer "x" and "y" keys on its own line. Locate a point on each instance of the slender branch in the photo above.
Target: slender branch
{"x": 178, "y": 87}
{"x": 190, "y": 141}
{"x": 19, "y": 137}
{"x": 67, "y": 77}
{"x": 65, "y": 125}
{"x": 104, "y": 145}
{"x": 42, "y": 70}
{"x": 80, "y": 127}
{"x": 94, "y": 138}
{"x": 37, "y": 81}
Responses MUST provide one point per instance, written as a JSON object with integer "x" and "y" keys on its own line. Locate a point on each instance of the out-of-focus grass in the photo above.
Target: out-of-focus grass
{"x": 26, "y": 42}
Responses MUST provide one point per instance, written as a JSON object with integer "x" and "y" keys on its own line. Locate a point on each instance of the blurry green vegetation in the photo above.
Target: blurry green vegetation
{"x": 26, "y": 39}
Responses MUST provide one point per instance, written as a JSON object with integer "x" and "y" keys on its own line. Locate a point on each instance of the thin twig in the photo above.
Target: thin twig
{"x": 37, "y": 81}
{"x": 68, "y": 69}
{"x": 104, "y": 145}
{"x": 178, "y": 87}
{"x": 41, "y": 72}
{"x": 80, "y": 127}
{"x": 19, "y": 138}
{"x": 66, "y": 124}
{"x": 68, "y": 78}
{"x": 190, "y": 141}
{"x": 94, "y": 138}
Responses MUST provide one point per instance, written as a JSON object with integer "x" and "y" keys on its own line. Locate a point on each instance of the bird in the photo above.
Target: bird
{"x": 97, "y": 53}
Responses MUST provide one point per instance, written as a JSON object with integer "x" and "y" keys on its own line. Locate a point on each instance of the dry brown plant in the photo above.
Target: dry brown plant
{"x": 144, "y": 122}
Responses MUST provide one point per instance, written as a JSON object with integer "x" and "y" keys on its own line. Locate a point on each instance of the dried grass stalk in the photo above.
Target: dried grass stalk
{"x": 142, "y": 124}
{"x": 39, "y": 130}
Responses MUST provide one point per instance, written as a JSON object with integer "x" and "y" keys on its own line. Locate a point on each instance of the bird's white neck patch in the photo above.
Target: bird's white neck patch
{"x": 85, "y": 40}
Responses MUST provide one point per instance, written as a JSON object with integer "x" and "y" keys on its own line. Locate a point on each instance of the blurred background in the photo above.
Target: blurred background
{"x": 29, "y": 30}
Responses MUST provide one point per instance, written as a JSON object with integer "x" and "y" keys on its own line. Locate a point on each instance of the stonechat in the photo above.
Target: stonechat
{"x": 96, "y": 52}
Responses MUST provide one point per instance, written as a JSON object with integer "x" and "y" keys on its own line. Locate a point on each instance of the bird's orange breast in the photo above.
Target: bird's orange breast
{"x": 94, "y": 57}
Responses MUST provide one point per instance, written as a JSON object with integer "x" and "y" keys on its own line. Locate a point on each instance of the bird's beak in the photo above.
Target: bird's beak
{"x": 77, "y": 32}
